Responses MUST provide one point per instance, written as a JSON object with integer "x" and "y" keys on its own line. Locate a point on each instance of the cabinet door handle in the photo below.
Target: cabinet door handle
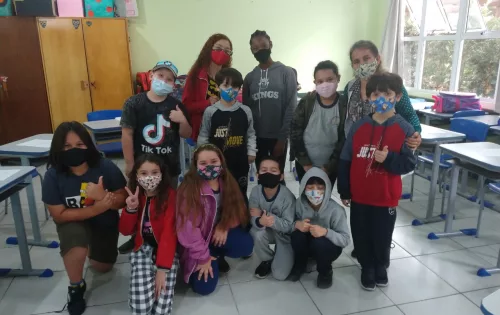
{"x": 3, "y": 86}
{"x": 84, "y": 85}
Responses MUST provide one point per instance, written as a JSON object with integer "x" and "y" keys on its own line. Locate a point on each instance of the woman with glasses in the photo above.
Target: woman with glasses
{"x": 201, "y": 90}
{"x": 317, "y": 132}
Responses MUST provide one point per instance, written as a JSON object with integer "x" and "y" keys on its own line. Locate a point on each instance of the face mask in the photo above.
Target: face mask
{"x": 382, "y": 104}
{"x": 366, "y": 70}
{"x": 210, "y": 172}
{"x": 326, "y": 89}
{"x": 149, "y": 183}
{"x": 161, "y": 88}
{"x": 263, "y": 55}
{"x": 220, "y": 57}
{"x": 74, "y": 157}
{"x": 269, "y": 180}
{"x": 315, "y": 196}
{"x": 228, "y": 95}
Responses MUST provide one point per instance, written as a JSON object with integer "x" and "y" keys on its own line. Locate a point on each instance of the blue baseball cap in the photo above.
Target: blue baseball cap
{"x": 166, "y": 65}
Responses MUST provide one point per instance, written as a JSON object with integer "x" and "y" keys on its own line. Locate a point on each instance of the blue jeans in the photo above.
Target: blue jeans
{"x": 239, "y": 244}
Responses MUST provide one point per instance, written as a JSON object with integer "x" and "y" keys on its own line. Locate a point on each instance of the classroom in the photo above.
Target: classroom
{"x": 329, "y": 157}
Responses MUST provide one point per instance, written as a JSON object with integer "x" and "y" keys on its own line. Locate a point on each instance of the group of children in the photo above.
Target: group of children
{"x": 195, "y": 226}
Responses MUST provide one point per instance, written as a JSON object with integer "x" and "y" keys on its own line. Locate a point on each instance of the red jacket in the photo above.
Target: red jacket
{"x": 195, "y": 99}
{"x": 163, "y": 226}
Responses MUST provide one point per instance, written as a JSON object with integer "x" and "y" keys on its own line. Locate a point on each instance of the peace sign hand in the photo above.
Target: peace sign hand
{"x": 132, "y": 199}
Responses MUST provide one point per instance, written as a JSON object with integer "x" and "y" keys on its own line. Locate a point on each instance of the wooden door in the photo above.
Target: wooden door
{"x": 24, "y": 108}
{"x": 108, "y": 62}
{"x": 63, "y": 54}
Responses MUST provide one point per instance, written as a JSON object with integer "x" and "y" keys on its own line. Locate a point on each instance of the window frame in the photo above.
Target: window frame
{"x": 458, "y": 38}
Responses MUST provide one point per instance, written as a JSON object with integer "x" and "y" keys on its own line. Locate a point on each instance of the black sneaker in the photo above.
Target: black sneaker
{"x": 295, "y": 275}
{"x": 368, "y": 279}
{"x": 381, "y": 279}
{"x": 76, "y": 302}
{"x": 223, "y": 265}
{"x": 353, "y": 254}
{"x": 263, "y": 270}
{"x": 325, "y": 280}
{"x": 127, "y": 247}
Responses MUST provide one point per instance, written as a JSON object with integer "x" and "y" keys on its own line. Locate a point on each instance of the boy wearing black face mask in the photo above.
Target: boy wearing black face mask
{"x": 272, "y": 207}
{"x": 228, "y": 124}
{"x": 270, "y": 91}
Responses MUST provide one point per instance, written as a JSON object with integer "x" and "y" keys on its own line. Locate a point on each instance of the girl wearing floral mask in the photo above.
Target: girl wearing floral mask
{"x": 365, "y": 61}
{"x": 200, "y": 89}
{"x": 211, "y": 220}
{"x": 150, "y": 214}
{"x": 317, "y": 133}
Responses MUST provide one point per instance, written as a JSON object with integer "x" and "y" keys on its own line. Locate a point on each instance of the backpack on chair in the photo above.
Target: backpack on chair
{"x": 180, "y": 82}
{"x": 142, "y": 82}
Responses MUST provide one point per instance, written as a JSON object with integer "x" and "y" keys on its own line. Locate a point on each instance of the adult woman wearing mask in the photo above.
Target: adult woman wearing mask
{"x": 365, "y": 61}
{"x": 201, "y": 90}
{"x": 270, "y": 91}
{"x": 317, "y": 132}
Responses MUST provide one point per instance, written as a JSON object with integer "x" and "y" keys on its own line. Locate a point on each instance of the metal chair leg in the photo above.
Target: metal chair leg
{"x": 47, "y": 215}
{"x": 481, "y": 203}
{"x": 412, "y": 185}
{"x": 6, "y": 206}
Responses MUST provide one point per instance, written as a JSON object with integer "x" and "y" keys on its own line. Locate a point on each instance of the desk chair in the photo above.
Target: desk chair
{"x": 111, "y": 147}
{"x": 469, "y": 113}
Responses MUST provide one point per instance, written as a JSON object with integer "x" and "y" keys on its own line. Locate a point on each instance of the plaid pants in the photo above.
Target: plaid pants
{"x": 142, "y": 284}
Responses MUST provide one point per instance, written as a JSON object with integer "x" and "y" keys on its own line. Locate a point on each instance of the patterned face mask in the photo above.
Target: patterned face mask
{"x": 366, "y": 70}
{"x": 382, "y": 105}
{"x": 315, "y": 196}
{"x": 149, "y": 183}
{"x": 229, "y": 94}
{"x": 210, "y": 172}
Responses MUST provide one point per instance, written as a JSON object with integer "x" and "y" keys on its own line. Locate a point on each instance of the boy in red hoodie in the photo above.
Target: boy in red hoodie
{"x": 372, "y": 161}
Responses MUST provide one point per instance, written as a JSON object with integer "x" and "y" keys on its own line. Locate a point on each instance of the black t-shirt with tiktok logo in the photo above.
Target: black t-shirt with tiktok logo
{"x": 213, "y": 88}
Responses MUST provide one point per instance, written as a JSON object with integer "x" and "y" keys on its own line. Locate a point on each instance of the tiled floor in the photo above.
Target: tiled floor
{"x": 426, "y": 277}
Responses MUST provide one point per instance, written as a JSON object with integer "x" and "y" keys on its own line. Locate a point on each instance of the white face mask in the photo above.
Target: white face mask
{"x": 149, "y": 183}
{"x": 315, "y": 196}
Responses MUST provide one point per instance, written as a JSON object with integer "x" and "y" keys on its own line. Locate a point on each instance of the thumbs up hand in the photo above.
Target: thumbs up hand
{"x": 176, "y": 115}
{"x": 96, "y": 191}
{"x": 380, "y": 156}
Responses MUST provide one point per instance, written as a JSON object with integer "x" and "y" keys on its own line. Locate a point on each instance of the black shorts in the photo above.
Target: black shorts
{"x": 101, "y": 242}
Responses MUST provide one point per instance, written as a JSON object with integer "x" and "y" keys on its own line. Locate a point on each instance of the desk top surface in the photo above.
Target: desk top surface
{"x": 36, "y": 146}
{"x": 12, "y": 175}
{"x": 482, "y": 154}
{"x": 432, "y": 134}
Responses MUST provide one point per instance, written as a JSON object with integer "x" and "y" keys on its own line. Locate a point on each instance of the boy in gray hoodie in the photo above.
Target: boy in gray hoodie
{"x": 270, "y": 91}
{"x": 272, "y": 207}
{"x": 320, "y": 227}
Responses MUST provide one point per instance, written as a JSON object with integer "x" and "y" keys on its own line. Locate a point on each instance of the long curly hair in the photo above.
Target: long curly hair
{"x": 233, "y": 205}
{"x": 163, "y": 191}
{"x": 205, "y": 58}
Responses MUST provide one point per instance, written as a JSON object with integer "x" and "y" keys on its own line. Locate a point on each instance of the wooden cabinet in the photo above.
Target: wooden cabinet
{"x": 24, "y": 109}
{"x": 87, "y": 65}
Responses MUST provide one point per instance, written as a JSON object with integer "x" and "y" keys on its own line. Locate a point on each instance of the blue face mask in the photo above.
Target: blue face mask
{"x": 161, "y": 88}
{"x": 228, "y": 95}
{"x": 382, "y": 104}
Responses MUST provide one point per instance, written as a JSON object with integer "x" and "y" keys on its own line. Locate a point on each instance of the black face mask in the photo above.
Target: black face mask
{"x": 269, "y": 180}
{"x": 263, "y": 55}
{"x": 74, "y": 157}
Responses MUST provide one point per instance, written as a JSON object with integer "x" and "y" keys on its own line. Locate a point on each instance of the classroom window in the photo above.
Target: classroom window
{"x": 452, "y": 45}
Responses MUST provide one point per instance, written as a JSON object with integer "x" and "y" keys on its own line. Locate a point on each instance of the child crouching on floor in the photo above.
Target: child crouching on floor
{"x": 374, "y": 157}
{"x": 321, "y": 230}
{"x": 150, "y": 215}
{"x": 272, "y": 207}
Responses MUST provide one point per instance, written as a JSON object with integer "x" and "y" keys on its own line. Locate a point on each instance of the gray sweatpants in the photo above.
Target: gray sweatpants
{"x": 282, "y": 256}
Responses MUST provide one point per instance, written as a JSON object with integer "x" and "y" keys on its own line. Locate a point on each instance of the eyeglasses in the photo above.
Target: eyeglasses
{"x": 228, "y": 51}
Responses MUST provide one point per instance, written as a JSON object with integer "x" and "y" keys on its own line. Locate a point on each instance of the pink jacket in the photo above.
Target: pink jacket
{"x": 194, "y": 237}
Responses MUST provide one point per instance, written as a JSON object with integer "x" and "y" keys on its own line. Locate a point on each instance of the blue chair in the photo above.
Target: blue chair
{"x": 104, "y": 114}
{"x": 110, "y": 147}
{"x": 469, "y": 113}
{"x": 474, "y": 131}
